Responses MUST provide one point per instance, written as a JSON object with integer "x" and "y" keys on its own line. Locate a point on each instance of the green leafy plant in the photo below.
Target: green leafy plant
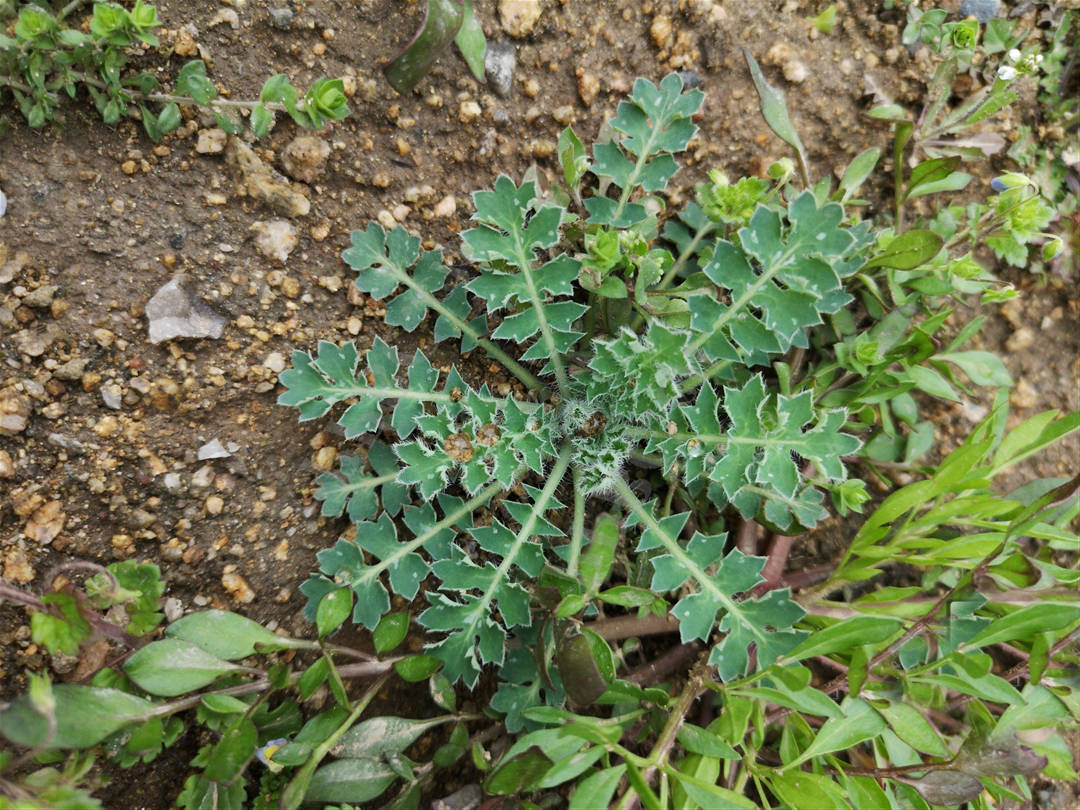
{"x": 444, "y": 22}
{"x": 677, "y": 350}
{"x": 47, "y": 57}
{"x": 681, "y": 382}
{"x": 209, "y": 669}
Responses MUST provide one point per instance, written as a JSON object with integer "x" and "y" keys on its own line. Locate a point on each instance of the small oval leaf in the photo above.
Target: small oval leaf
{"x": 171, "y": 667}
{"x": 907, "y": 251}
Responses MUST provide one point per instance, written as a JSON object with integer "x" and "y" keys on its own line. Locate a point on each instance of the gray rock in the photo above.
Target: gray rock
{"x": 499, "y": 64}
{"x": 68, "y": 443}
{"x": 468, "y": 798}
{"x": 3, "y": 203}
{"x": 112, "y": 396}
{"x": 72, "y": 370}
{"x": 281, "y": 17}
{"x": 174, "y": 312}
{"x": 981, "y": 10}
{"x": 213, "y": 449}
{"x": 42, "y": 297}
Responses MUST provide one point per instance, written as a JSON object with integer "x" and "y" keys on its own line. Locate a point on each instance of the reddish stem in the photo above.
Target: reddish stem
{"x": 656, "y": 671}
{"x": 773, "y": 571}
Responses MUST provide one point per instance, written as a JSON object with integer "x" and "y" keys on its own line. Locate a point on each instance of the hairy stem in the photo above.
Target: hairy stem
{"x": 577, "y": 534}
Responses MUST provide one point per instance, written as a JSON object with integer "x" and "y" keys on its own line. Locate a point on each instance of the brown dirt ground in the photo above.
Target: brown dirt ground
{"x": 108, "y": 239}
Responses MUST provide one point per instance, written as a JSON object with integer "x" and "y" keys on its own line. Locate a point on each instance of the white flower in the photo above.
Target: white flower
{"x": 1014, "y": 55}
{"x": 1006, "y": 73}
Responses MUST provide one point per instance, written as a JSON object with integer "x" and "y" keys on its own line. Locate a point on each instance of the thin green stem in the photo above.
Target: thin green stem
{"x": 466, "y": 328}
{"x": 480, "y": 610}
{"x": 688, "y": 251}
{"x": 657, "y": 757}
{"x": 671, "y": 545}
{"x": 557, "y": 363}
{"x": 70, "y": 8}
{"x": 743, "y": 300}
{"x": 173, "y": 98}
{"x": 577, "y": 535}
{"x": 404, "y": 549}
{"x": 293, "y": 794}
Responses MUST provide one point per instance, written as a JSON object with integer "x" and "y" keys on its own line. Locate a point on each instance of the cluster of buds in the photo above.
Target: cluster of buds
{"x": 1019, "y": 64}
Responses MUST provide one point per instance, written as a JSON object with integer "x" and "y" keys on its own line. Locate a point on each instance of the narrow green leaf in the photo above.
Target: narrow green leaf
{"x": 931, "y": 171}
{"x": 953, "y": 182}
{"x": 379, "y": 735}
{"x": 470, "y": 41}
{"x": 645, "y": 793}
{"x": 596, "y": 791}
{"x": 774, "y": 107}
{"x": 859, "y": 723}
{"x": 417, "y": 667}
{"x": 907, "y": 251}
{"x": 349, "y": 780}
{"x": 229, "y": 635}
{"x": 85, "y": 715}
{"x": 1024, "y": 622}
{"x": 844, "y": 635}
{"x": 699, "y": 741}
{"x": 572, "y": 158}
{"x": 172, "y": 667}
{"x": 441, "y": 23}
{"x": 984, "y": 368}
{"x": 597, "y": 559}
{"x": 232, "y": 752}
{"x": 858, "y": 170}
{"x": 930, "y": 381}
{"x": 332, "y": 610}
{"x": 912, "y": 727}
{"x": 518, "y": 773}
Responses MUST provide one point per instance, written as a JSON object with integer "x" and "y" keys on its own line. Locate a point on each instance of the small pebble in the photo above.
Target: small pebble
{"x": 211, "y": 141}
{"x": 468, "y": 111}
{"x": 236, "y": 585}
{"x": 290, "y": 287}
{"x": 14, "y": 412}
{"x": 1021, "y": 339}
{"x": 324, "y": 458}
{"x": 173, "y": 609}
{"x": 563, "y": 115}
{"x": 281, "y": 17}
{"x": 519, "y": 17}
{"x": 981, "y": 10}
{"x": 588, "y": 87}
{"x": 41, "y": 298}
{"x": 275, "y": 238}
{"x": 500, "y": 60}
{"x": 1023, "y": 395}
{"x": 446, "y": 207}
{"x": 304, "y": 158}
{"x": 275, "y": 362}
{"x": 211, "y": 450}
{"x": 7, "y": 466}
{"x": 214, "y": 505}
